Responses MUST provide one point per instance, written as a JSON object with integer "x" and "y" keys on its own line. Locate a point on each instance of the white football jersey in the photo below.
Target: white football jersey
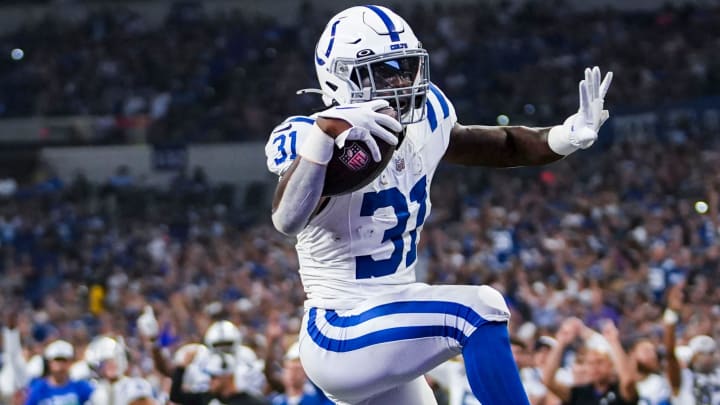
{"x": 531, "y": 378}
{"x": 107, "y": 393}
{"x": 696, "y": 385}
{"x": 451, "y": 376}
{"x": 365, "y": 241}
{"x": 654, "y": 390}
{"x": 249, "y": 376}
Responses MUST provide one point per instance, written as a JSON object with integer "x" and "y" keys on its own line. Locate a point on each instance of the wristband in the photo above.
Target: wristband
{"x": 670, "y": 317}
{"x": 559, "y": 140}
{"x": 318, "y": 147}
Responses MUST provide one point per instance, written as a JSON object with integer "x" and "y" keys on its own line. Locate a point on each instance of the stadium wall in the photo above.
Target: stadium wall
{"x": 237, "y": 164}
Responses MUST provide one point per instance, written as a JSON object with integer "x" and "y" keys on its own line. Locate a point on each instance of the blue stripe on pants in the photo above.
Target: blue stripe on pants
{"x": 406, "y": 307}
{"x": 395, "y": 333}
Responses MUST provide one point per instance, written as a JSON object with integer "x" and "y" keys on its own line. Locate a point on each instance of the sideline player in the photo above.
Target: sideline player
{"x": 370, "y": 330}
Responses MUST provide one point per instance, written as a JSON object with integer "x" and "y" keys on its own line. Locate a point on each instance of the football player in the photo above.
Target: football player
{"x": 370, "y": 331}
{"x": 107, "y": 360}
{"x": 224, "y": 336}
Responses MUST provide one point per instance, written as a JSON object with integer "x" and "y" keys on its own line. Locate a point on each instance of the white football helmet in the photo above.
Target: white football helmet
{"x": 105, "y": 348}
{"x": 223, "y": 336}
{"x": 369, "y": 52}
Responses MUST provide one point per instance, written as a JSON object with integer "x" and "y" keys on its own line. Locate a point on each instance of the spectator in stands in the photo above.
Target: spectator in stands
{"x": 234, "y": 89}
{"x": 699, "y": 383}
{"x": 532, "y": 375}
{"x": 221, "y": 369}
{"x": 612, "y": 379}
{"x": 652, "y": 387}
{"x": 57, "y": 386}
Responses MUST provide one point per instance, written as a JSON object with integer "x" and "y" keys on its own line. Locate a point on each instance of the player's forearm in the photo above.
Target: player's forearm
{"x": 297, "y": 196}
{"x": 477, "y": 145}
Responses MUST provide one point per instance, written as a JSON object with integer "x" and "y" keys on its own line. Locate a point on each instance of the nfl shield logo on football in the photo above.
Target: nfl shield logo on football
{"x": 354, "y": 157}
{"x": 400, "y": 164}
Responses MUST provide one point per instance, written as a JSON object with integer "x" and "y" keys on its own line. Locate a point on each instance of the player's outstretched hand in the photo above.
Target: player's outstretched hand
{"x": 365, "y": 115}
{"x": 580, "y": 130}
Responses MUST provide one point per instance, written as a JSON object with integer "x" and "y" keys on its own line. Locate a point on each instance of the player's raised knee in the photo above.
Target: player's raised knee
{"x": 497, "y": 309}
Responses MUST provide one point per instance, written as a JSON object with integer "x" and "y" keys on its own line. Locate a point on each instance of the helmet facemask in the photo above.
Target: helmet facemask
{"x": 401, "y": 78}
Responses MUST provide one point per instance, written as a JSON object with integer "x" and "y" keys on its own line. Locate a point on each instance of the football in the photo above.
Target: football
{"x": 352, "y": 166}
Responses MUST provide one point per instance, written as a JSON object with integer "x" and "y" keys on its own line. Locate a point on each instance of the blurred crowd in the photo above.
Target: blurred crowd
{"x": 602, "y": 237}
{"x": 608, "y": 259}
{"x": 202, "y": 78}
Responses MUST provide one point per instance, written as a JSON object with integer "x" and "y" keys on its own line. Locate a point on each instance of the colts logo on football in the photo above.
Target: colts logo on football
{"x": 354, "y": 157}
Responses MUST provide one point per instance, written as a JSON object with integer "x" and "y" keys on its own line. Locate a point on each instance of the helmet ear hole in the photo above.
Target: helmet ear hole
{"x": 333, "y": 86}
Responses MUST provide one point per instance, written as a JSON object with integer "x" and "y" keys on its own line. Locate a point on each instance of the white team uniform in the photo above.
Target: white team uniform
{"x": 531, "y": 378}
{"x": 357, "y": 264}
{"x": 451, "y": 376}
{"x": 107, "y": 393}
{"x": 695, "y": 384}
{"x": 249, "y": 376}
{"x": 654, "y": 390}
{"x": 194, "y": 379}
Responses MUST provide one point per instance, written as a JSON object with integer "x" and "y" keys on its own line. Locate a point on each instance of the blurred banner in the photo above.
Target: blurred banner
{"x": 169, "y": 157}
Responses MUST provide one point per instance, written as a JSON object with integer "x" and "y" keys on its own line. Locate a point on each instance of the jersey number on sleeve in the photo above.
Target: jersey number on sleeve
{"x": 281, "y": 141}
{"x": 366, "y": 266}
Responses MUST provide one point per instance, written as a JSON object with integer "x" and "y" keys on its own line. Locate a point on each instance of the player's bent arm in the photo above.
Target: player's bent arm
{"x": 522, "y": 146}
{"x": 300, "y": 188}
{"x": 297, "y": 195}
{"x": 499, "y": 146}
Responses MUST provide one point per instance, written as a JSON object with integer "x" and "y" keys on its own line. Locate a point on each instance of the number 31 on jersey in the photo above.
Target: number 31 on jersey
{"x": 366, "y": 266}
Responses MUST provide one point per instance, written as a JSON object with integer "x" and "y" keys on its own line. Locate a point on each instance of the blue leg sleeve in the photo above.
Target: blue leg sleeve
{"x": 490, "y": 366}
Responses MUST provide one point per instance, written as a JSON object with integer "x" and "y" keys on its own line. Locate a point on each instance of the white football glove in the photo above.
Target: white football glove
{"x": 580, "y": 130}
{"x": 365, "y": 115}
{"x": 147, "y": 324}
{"x": 362, "y": 135}
{"x": 365, "y": 121}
